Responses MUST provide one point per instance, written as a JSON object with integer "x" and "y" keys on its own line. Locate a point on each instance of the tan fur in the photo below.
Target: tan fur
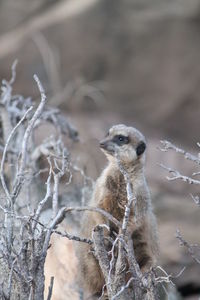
{"x": 110, "y": 195}
{"x": 61, "y": 263}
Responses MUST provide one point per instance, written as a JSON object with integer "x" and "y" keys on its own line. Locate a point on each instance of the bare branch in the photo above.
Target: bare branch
{"x": 73, "y": 237}
{"x": 10, "y": 278}
{"x": 5, "y": 152}
{"x": 168, "y": 277}
{"x": 29, "y": 129}
{"x": 100, "y": 251}
{"x": 97, "y": 210}
{"x": 123, "y": 288}
{"x": 43, "y": 201}
{"x": 168, "y": 145}
{"x": 36, "y": 115}
{"x": 24, "y": 240}
{"x": 176, "y": 175}
{"x": 190, "y": 247}
{"x": 13, "y": 69}
{"x": 50, "y": 289}
{"x": 196, "y": 199}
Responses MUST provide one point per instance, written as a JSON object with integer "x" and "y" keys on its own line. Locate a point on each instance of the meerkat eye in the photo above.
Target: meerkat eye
{"x": 120, "y": 140}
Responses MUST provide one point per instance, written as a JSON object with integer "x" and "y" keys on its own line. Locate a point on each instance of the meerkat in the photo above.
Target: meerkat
{"x": 125, "y": 145}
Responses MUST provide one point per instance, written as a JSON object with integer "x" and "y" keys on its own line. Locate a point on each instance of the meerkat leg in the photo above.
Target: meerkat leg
{"x": 91, "y": 278}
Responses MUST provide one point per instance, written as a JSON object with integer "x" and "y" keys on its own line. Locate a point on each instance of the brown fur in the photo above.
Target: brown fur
{"x": 110, "y": 195}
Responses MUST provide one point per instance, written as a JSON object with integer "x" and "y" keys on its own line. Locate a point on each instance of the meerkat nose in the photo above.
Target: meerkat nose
{"x": 102, "y": 144}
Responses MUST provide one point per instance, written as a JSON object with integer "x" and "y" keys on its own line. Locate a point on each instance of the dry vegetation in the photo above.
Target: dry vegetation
{"x": 25, "y": 238}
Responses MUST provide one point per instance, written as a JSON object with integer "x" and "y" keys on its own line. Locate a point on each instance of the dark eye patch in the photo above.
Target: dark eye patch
{"x": 120, "y": 140}
{"x": 140, "y": 148}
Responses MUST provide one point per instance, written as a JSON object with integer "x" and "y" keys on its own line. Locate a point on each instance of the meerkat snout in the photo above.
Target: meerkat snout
{"x": 125, "y": 143}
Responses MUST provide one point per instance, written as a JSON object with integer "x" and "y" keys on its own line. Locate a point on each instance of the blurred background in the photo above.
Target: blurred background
{"x": 104, "y": 62}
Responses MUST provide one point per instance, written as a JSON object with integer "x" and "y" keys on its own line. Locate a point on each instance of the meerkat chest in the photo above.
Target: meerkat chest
{"x": 115, "y": 198}
{"x": 116, "y": 187}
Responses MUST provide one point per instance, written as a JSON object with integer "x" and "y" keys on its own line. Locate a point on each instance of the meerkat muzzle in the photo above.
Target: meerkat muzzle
{"x": 103, "y": 144}
{"x": 107, "y": 145}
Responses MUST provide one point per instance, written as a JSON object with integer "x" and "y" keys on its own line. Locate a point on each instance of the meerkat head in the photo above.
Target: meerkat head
{"x": 124, "y": 143}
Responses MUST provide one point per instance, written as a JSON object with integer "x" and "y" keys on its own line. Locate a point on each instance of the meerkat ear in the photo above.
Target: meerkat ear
{"x": 140, "y": 148}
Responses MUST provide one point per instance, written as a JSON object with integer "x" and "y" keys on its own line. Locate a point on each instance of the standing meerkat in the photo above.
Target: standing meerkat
{"x": 125, "y": 145}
